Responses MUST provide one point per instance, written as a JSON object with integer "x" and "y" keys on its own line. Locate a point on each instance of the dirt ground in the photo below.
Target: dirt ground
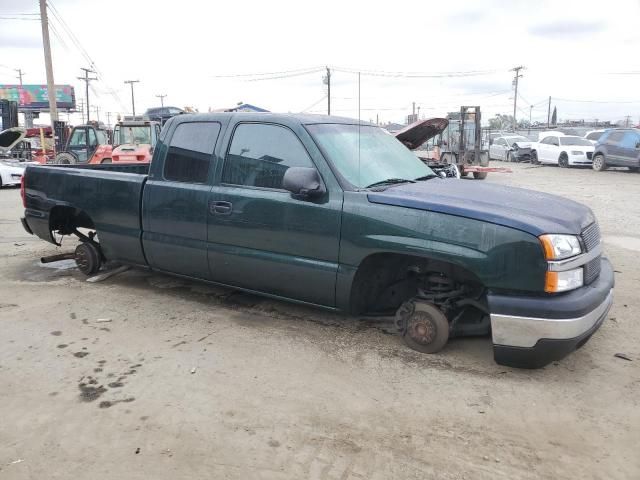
{"x": 186, "y": 380}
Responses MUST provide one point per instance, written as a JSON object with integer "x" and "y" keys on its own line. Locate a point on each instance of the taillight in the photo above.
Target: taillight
{"x": 24, "y": 199}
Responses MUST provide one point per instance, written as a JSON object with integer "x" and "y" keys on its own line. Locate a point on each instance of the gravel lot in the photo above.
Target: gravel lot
{"x": 188, "y": 380}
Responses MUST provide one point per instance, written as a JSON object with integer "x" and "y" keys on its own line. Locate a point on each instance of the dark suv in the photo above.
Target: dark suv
{"x": 162, "y": 114}
{"x": 619, "y": 147}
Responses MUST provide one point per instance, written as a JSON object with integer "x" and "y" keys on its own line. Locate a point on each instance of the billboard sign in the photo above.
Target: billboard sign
{"x": 35, "y": 97}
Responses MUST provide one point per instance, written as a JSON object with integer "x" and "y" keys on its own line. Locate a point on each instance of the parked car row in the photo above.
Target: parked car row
{"x": 600, "y": 149}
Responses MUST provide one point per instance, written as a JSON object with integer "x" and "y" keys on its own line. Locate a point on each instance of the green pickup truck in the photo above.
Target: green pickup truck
{"x": 332, "y": 213}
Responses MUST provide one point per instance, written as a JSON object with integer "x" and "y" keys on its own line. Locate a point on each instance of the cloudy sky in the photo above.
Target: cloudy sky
{"x": 584, "y": 54}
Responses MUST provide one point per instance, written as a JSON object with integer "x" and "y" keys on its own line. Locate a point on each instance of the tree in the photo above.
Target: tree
{"x": 554, "y": 116}
{"x": 501, "y": 122}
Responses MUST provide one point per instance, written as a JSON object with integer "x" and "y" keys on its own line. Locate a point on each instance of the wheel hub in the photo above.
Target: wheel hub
{"x": 421, "y": 328}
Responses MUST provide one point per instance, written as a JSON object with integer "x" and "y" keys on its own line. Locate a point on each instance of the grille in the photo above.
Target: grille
{"x": 591, "y": 236}
{"x": 589, "y": 155}
{"x": 591, "y": 239}
{"x": 591, "y": 270}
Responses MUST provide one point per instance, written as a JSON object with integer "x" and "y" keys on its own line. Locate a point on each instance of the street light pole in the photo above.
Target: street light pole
{"x": 133, "y": 99}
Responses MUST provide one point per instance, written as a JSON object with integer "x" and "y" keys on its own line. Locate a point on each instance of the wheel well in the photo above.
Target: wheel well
{"x": 385, "y": 280}
{"x": 563, "y": 154}
{"x": 66, "y": 220}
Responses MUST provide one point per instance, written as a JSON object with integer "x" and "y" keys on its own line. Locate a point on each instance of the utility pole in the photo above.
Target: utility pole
{"x": 81, "y": 102}
{"x": 86, "y": 79}
{"x": 530, "y": 110}
{"x": 51, "y": 87}
{"x": 108, "y": 119}
{"x": 133, "y": 100}
{"x": 515, "y": 96}
{"x": 549, "y": 113}
{"x": 97, "y": 109}
{"x": 328, "y": 91}
{"x": 20, "y": 74}
{"x": 161, "y": 97}
{"x": 627, "y": 120}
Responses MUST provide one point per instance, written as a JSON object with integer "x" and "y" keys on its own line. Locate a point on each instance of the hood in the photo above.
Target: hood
{"x": 579, "y": 148}
{"x": 522, "y": 144}
{"x": 11, "y": 137}
{"x": 414, "y": 135}
{"x": 532, "y": 212}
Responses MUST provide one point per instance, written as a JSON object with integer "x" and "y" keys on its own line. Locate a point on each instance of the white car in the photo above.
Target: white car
{"x": 10, "y": 171}
{"x": 563, "y": 150}
{"x": 510, "y": 148}
{"x": 594, "y": 135}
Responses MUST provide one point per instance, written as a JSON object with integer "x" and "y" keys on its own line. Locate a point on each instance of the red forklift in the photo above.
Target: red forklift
{"x": 89, "y": 143}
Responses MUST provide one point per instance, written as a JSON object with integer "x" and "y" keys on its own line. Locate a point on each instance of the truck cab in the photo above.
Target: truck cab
{"x": 134, "y": 141}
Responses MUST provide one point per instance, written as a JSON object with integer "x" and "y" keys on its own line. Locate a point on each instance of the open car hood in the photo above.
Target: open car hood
{"x": 10, "y": 137}
{"x": 414, "y": 135}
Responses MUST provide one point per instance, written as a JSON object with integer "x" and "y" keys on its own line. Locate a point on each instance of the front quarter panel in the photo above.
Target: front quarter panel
{"x": 504, "y": 259}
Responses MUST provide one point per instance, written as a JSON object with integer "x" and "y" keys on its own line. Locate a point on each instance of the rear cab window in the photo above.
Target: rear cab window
{"x": 190, "y": 152}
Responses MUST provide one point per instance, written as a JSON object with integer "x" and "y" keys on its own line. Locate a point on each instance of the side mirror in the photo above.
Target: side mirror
{"x": 303, "y": 182}
{"x": 442, "y": 174}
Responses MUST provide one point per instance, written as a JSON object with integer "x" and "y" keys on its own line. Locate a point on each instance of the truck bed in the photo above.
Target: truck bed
{"x": 110, "y": 195}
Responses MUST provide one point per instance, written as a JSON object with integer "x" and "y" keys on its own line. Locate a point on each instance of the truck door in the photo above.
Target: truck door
{"x": 260, "y": 237}
{"x": 80, "y": 145}
{"x": 175, "y": 201}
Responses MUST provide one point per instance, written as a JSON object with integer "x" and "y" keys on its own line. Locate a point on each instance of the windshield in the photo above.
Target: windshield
{"x": 594, "y": 135}
{"x": 574, "y": 141}
{"x": 381, "y": 156}
{"x": 103, "y": 139}
{"x": 516, "y": 139}
{"x": 132, "y": 135}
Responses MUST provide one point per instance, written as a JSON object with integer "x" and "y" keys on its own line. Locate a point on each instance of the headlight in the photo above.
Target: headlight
{"x": 575, "y": 152}
{"x": 558, "y": 247}
{"x": 563, "y": 281}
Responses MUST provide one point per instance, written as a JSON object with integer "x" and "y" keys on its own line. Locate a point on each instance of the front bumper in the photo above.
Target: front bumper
{"x": 531, "y": 332}
{"x": 579, "y": 160}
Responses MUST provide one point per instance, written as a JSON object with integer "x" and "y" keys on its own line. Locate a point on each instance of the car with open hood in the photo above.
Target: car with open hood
{"x": 11, "y": 171}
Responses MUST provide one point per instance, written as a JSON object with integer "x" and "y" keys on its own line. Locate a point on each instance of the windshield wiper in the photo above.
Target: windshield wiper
{"x": 427, "y": 177}
{"x": 390, "y": 181}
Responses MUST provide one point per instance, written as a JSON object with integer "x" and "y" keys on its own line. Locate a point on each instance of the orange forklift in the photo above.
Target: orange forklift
{"x": 86, "y": 144}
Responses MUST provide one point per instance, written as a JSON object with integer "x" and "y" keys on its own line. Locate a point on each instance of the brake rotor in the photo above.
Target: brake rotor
{"x": 423, "y": 326}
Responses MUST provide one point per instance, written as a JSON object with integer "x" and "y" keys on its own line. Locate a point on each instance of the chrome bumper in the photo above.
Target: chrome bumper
{"x": 516, "y": 331}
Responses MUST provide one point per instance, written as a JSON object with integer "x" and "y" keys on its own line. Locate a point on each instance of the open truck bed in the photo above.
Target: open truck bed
{"x": 106, "y": 198}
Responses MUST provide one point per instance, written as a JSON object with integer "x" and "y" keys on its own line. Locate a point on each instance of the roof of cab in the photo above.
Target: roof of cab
{"x": 284, "y": 118}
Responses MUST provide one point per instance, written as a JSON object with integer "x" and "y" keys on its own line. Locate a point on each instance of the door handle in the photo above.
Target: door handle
{"x": 220, "y": 207}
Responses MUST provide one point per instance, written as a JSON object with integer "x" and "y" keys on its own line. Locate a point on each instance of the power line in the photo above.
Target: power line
{"x": 20, "y": 18}
{"x": 260, "y": 79}
{"x": 380, "y": 73}
{"x": 313, "y": 104}
{"x": 596, "y": 101}
{"x": 283, "y": 72}
{"x": 83, "y": 52}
